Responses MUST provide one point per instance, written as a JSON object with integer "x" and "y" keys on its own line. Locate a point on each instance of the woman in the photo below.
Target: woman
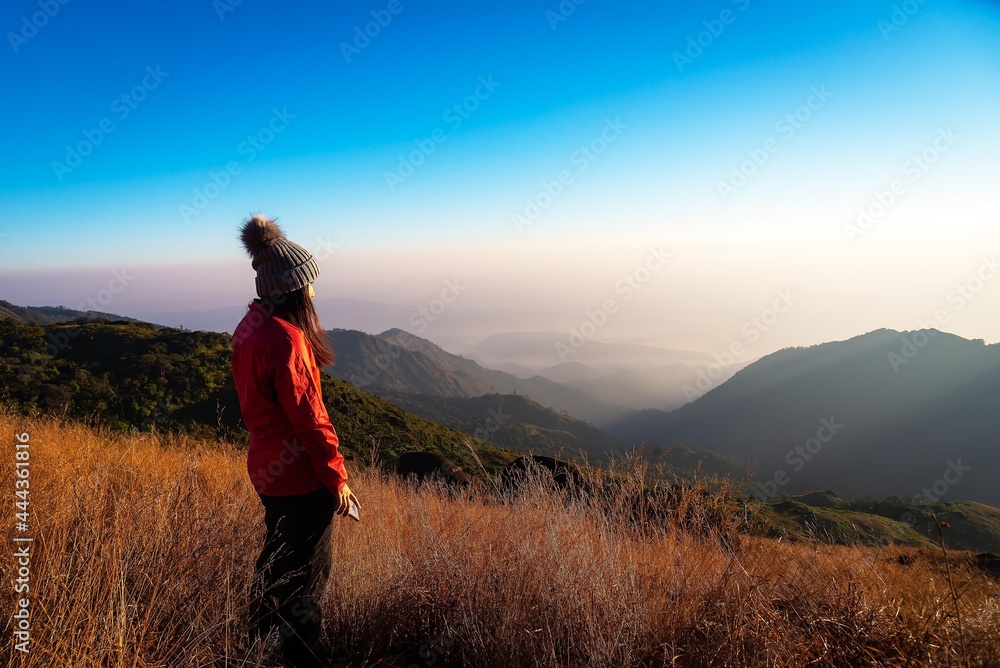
{"x": 293, "y": 458}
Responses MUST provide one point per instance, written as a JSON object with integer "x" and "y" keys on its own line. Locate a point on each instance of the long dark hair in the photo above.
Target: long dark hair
{"x": 297, "y": 308}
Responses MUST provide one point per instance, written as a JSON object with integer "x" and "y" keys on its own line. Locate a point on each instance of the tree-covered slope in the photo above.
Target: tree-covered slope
{"x": 133, "y": 375}
{"x": 47, "y": 315}
{"x": 515, "y": 421}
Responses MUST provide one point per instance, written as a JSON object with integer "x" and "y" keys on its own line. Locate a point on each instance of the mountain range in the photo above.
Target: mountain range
{"x": 913, "y": 414}
{"x": 47, "y": 315}
{"x": 823, "y": 414}
{"x": 639, "y": 376}
{"x": 398, "y": 362}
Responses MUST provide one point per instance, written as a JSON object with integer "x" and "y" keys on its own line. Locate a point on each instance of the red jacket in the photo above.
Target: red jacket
{"x": 293, "y": 446}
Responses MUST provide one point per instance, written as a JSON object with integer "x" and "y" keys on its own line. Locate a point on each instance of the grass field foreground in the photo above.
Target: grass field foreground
{"x": 143, "y": 547}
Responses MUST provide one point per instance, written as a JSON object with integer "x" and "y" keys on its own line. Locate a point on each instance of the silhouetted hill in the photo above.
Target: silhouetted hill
{"x": 398, "y": 362}
{"x": 896, "y": 417}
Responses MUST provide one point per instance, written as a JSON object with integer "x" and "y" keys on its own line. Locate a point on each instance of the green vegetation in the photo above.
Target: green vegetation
{"x": 687, "y": 462}
{"x": 133, "y": 376}
{"x": 118, "y": 374}
{"x": 147, "y": 544}
{"x": 373, "y": 427}
{"x": 48, "y": 315}
{"x": 867, "y": 521}
{"x": 515, "y": 421}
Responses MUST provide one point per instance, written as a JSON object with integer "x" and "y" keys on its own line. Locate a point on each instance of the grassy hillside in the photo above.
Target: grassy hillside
{"x": 687, "y": 462}
{"x": 144, "y": 546}
{"x": 134, "y": 377}
{"x": 825, "y": 516}
{"x": 798, "y": 520}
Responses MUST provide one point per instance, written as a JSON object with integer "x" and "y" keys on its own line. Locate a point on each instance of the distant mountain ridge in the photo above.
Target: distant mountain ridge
{"x": 636, "y": 375}
{"x": 48, "y": 315}
{"x": 850, "y": 416}
{"x": 397, "y": 361}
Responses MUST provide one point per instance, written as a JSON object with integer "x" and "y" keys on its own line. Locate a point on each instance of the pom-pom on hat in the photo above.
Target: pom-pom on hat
{"x": 282, "y": 266}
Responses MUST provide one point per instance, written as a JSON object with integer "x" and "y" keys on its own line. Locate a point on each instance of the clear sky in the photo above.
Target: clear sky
{"x": 534, "y": 151}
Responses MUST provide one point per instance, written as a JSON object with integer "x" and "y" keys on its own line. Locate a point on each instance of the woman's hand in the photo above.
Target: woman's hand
{"x": 344, "y": 498}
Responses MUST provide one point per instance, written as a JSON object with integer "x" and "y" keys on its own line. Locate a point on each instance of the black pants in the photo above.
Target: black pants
{"x": 291, "y": 574}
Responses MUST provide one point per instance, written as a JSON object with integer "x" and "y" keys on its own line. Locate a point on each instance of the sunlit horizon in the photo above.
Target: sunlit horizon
{"x": 844, "y": 155}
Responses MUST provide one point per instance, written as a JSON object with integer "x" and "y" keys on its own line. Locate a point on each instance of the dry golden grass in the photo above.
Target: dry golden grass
{"x": 144, "y": 549}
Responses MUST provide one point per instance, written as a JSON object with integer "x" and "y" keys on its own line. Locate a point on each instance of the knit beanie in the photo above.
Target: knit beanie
{"x": 282, "y": 266}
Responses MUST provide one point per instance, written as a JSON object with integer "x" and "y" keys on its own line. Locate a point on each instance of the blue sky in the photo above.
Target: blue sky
{"x": 343, "y": 122}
